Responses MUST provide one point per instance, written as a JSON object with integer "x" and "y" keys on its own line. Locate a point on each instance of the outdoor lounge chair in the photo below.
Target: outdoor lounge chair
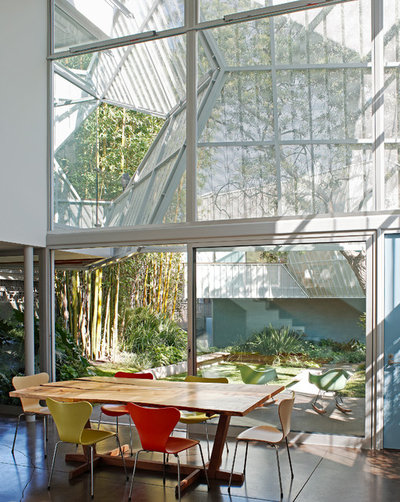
{"x": 258, "y": 377}
{"x": 333, "y": 380}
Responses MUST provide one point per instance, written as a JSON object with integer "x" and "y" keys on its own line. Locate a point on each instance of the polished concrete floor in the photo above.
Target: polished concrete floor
{"x": 322, "y": 474}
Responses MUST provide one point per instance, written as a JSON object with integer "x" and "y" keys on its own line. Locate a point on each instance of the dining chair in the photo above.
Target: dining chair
{"x": 198, "y": 417}
{"x": 154, "y": 426}
{"x": 119, "y": 410}
{"x": 31, "y": 406}
{"x": 333, "y": 380}
{"x": 70, "y": 420}
{"x": 257, "y": 376}
{"x": 269, "y": 435}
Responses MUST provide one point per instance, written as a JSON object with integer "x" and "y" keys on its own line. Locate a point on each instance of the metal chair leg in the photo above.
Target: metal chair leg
{"x": 233, "y": 465}
{"x": 130, "y": 434}
{"x": 290, "y": 460}
{"x": 52, "y": 463}
{"x": 163, "y": 478}
{"x": 45, "y": 435}
{"x": 98, "y": 424}
{"x": 208, "y": 442}
{"x": 204, "y": 465}
{"x": 16, "y": 431}
{"x": 179, "y": 476}
{"x": 133, "y": 474}
{"x": 91, "y": 472}
{"x": 122, "y": 456}
{"x": 279, "y": 469}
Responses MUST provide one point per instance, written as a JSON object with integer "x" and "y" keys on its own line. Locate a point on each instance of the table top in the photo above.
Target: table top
{"x": 224, "y": 399}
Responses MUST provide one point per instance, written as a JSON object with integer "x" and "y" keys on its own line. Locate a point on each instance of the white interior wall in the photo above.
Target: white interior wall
{"x": 23, "y": 121}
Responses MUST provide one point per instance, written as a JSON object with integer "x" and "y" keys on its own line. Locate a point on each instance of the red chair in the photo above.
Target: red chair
{"x": 119, "y": 410}
{"x": 154, "y": 426}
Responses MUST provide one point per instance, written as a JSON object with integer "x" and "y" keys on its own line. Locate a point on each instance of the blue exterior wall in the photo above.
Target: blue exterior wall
{"x": 391, "y": 431}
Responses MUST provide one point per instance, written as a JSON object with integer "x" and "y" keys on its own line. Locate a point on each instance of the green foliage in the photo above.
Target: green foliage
{"x": 155, "y": 339}
{"x": 69, "y": 361}
{"x": 274, "y": 342}
{"x": 328, "y": 350}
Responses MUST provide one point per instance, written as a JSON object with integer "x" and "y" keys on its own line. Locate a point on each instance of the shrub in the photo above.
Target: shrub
{"x": 154, "y": 338}
{"x": 70, "y": 363}
{"x": 275, "y": 342}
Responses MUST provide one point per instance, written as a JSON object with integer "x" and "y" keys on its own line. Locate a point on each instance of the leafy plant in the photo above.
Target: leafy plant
{"x": 155, "y": 339}
{"x": 275, "y": 342}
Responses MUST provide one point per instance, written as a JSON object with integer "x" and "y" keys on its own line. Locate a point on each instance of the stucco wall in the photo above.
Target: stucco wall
{"x": 23, "y": 121}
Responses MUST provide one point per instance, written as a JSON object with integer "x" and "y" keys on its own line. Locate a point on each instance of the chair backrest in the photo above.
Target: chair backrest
{"x": 70, "y": 418}
{"x": 144, "y": 376}
{"x": 332, "y": 380}
{"x": 258, "y": 377}
{"x": 198, "y": 379}
{"x": 285, "y": 414}
{"x": 154, "y": 425}
{"x": 22, "y": 382}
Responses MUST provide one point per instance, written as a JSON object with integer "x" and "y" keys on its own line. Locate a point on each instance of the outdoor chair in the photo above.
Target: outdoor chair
{"x": 333, "y": 380}
{"x": 154, "y": 426}
{"x": 269, "y": 435}
{"x": 197, "y": 417}
{"x": 70, "y": 420}
{"x": 119, "y": 410}
{"x": 258, "y": 377}
{"x": 31, "y": 406}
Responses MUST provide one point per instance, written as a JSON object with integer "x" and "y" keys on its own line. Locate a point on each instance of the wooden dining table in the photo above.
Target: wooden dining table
{"x": 210, "y": 398}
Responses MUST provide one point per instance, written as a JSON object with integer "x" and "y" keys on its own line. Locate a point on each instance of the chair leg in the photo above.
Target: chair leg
{"x": 279, "y": 469}
{"x": 98, "y": 424}
{"x": 122, "y": 456}
{"x": 16, "y": 431}
{"x": 163, "y": 478}
{"x": 53, "y": 463}
{"x": 245, "y": 458}
{"x": 45, "y": 434}
{"x": 130, "y": 434}
{"x": 204, "y": 465}
{"x": 233, "y": 465}
{"x": 208, "y": 442}
{"x": 179, "y": 476}
{"x": 133, "y": 474}
{"x": 290, "y": 460}
{"x": 91, "y": 471}
{"x": 314, "y": 404}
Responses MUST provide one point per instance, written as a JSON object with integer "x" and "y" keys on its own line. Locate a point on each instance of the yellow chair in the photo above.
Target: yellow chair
{"x": 269, "y": 435}
{"x": 31, "y": 406}
{"x": 197, "y": 417}
{"x": 70, "y": 420}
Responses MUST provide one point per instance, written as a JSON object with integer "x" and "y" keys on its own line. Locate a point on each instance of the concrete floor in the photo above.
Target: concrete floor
{"x": 321, "y": 474}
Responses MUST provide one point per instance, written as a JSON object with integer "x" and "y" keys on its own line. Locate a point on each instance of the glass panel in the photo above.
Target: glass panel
{"x": 85, "y": 21}
{"x": 287, "y": 311}
{"x": 287, "y": 126}
{"x": 392, "y": 104}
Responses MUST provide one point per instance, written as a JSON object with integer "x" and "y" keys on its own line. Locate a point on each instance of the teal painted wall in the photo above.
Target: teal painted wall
{"x": 391, "y": 430}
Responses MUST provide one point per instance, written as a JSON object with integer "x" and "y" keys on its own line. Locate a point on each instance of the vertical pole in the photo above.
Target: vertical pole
{"x": 378, "y": 103}
{"x": 28, "y": 311}
{"x": 191, "y": 293}
{"x": 191, "y": 19}
{"x": 45, "y": 305}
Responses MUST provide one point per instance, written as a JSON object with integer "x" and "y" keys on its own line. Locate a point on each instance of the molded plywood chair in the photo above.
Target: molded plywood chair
{"x": 70, "y": 420}
{"x": 154, "y": 426}
{"x": 258, "y": 377}
{"x": 269, "y": 435}
{"x": 119, "y": 410}
{"x": 31, "y": 406}
{"x": 333, "y": 380}
{"x": 197, "y": 417}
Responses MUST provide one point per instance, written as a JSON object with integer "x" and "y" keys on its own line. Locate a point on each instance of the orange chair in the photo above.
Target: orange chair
{"x": 154, "y": 426}
{"x": 119, "y": 410}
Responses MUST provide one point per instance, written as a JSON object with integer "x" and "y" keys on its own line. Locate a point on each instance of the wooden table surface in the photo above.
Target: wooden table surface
{"x": 225, "y": 400}
{"x": 231, "y": 399}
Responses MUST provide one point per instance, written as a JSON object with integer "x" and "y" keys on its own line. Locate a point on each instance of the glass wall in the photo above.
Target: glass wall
{"x": 286, "y": 123}
{"x": 288, "y": 314}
